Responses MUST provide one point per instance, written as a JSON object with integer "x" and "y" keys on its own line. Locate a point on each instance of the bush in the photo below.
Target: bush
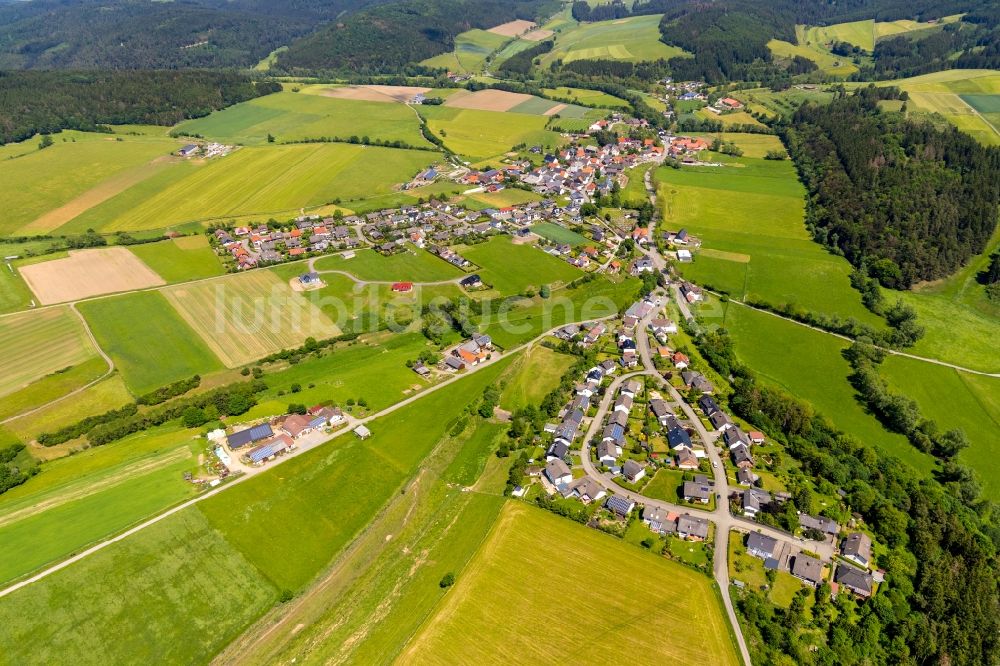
{"x": 447, "y": 580}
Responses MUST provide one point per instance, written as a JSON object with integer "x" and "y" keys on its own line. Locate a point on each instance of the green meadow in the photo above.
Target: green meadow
{"x": 289, "y": 116}
{"x": 149, "y": 342}
{"x": 636, "y": 38}
{"x": 480, "y": 135}
{"x": 511, "y": 269}
{"x": 588, "y": 97}
{"x": 858, "y": 33}
{"x": 180, "y": 259}
{"x": 894, "y": 28}
{"x": 14, "y": 293}
{"x": 471, "y": 50}
{"x": 52, "y": 386}
{"x": 537, "y": 372}
{"x": 414, "y": 265}
{"x": 559, "y": 234}
{"x": 826, "y": 61}
{"x": 39, "y": 343}
{"x": 109, "y": 393}
{"x": 749, "y": 215}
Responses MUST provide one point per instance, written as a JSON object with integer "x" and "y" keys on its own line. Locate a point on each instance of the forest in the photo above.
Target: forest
{"x": 35, "y": 102}
{"x": 904, "y": 201}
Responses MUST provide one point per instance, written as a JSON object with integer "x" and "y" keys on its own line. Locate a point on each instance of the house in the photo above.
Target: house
{"x": 821, "y": 523}
{"x": 680, "y": 360}
{"x": 248, "y": 436}
{"x": 471, "y": 281}
{"x": 402, "y": 287}
{"x": 557, "y": 450}
{"x": 756, "y": 437}
{"x": 631, "y": 388}
{"x": 730, "y": 103}
{"x": 697, "y": 380}
{"x": 857, "y": 547}
{"x": 268, "y": 450}
{"x": 808, "y": 569}
{"x": 661, "y": 326}
{"x": 761, "y": 546}
{"x": 741, "y": 456}
{"x": 857, "y": 581}
{"x": 697, "y": 492}
{"x": 708, "y": 404}
{"x": 558, "y": 472}
{"x": 309, "y": 279}
{"x": 620, "y": 506}
{"x": 753, "y": 500}
{"x": 658, "y": 519}
{"x": 642, "y": 265}
{"x": 691, "y": 528}
{"x": 677, "y": 438}
{"x": 633, "y": 471}
{"x": 322, "y": 416}
{"x": 608, "y": 451}
{"x": 720, "y": 420}
{"x": 691, "y": 293}
{"x": 733, "y": 437}
{"x": 745, "y": 477}
{"x": 660, "y": 410}
{"x": 586, "y": 490}
{"x": 623, "y": 403}
{"x": 684, "y": 256}
{"x": 296, "y": 425}
{"x": 686, "y": 459}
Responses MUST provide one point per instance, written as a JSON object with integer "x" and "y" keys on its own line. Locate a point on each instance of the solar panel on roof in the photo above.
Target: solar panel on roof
{"x": 260, "y": 432}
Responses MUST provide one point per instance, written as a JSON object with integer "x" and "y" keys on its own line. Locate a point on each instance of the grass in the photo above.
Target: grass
{"x": 826, "y": 61}
{"x": 471, "y": 50}
{"x": 480, "y": 135}
{"x": 414, "y": 265}
{"x": 290, "y": 116}
{"x": 175, "y": 593}
{"x": 633, "y": 39}
{"x": 587, "y": 97}
{"x": 755, "y": 207}
{"x": 729, "y": 119}
{"x": 525, "y": 574}
{"x": 511, "y": 268}
{"x": 244, "y": 317}
{"x": 537, "y": 372}
{"x": 893, "y": 28}
{"x": 666, "y": 485}
{"x": 752, "y": 145}
{"x": 149, "y": 342}
{"x": 43, "y": 180}
{"x": 510, "y": 196}
{"x": 14, "y": 293}
{"x": 560, "y": 234}
{"x": 333, "y": 491}
{"x": 110, "y": 393}
{"x": 39, "y": 343}
{"x": 858, "y": 33}
{"x": 274, "y": 179}
{"x": 955, "y": 399}
{"x": 180, "y": 259}
{"x": 52, "y": 386}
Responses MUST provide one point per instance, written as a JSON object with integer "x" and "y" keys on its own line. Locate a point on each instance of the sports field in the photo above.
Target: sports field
{"x": 414, "y": 265}
{"x": 38, "y": 343}
{"x": 273, "y": 179}
{"x": 43, "y": 180}
{"x": 858, "y": 33}
{"x": 755, "y": 207}
{"x": 479, "y": 135}
{"x": 180, "y": 259}
{"x": 512, "y": 268}
{"x": 149, "y": 342}
{"x": 245, "y": 317}
{"x": 471, "y": 50}
{"x": 634, "y": 39}
{"x": 290, "y": 116}
{"x": 524, "y": 575}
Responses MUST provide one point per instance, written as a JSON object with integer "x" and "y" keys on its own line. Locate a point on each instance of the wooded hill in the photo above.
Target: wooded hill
{"x": 904, "y": 201}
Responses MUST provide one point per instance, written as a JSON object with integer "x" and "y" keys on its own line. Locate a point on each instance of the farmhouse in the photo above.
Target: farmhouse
{"x": 268, "y": 450}
{"x": 250, "y": 435}
{"x": 296, "y": 425}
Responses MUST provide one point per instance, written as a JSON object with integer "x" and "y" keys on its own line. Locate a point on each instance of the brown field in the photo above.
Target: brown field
{"x": 375, "y": 93}
{"x": 99, "y": 194}
{"x": 86, "y": 273}
{"x": 512, "y": 29}
{"x": 537, "y": 35}
{"x": 554, "y": 110}
{"x": 488, "y": 100}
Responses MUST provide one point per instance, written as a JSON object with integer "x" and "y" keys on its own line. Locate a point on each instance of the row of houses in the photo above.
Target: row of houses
{"x": 810, "y": 570}
{"x": 685, "y": 526}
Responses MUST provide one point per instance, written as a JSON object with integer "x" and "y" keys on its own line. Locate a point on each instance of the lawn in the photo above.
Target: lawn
{"x": 511, "y": 268}
{"x": 180, "y": 259}
{"x": 755, "y": 207}
{"x": 414, "y": 265}
{"x": 537, "y": 372}
{"x": 471, "y": 50}
{"x": 332, "y": 492}
{"x": 525, "y": 574}
{"x": 956, "y": 400}
{"x": 290, "y": 116}
{"x": 480, "y": 135}
{"x": 39, "y": 343}
{"x": 666, "y": 485}
{"x": 273, "y": 180}
{"x": 149, "y": 342}
{"x": 560, "y": 234}
{"x": 43, "y": 180}
{"x": 248, "y": 316}
{"x": 634, "y": 39}
{"x": 174, "y": 593}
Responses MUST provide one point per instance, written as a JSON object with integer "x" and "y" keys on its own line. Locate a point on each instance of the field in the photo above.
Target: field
{"x": 808, "y": 364}
{"x": 274, "y": 179}
{"x": 36, "y": 344}
{"x": 510, "y": 196}
{"x": 480, "y": 135}
{"x": 559, "y": 234}
{"x": 107, "y": 394}
{"x": 894, "y": 28}
{"x": 471, "y": 50}
{"x": 511, "y": 269}
{"x": 729, "y": 119}
{"x": 858, "y": 33}
{"x": 503, "y": 101}
{"x": 524, "y": 575}
{"x": 588, "y": 97}
{"x": 536, "y": 373}
{"x": 755, "y": 207}
{"x": 86, "y": 273}
{"x": 43, "y": 180}
{"x": 373, "y": 93}
{"x": 512, "y": 28}
{"x": 180, "y": 259}
{"x": 52, "y": 386}
{"x": 175, "y": 593}
{"x": 290, "y": 116}
{"x": 956, "y": 400}
{"x": 752, "y": 145}
{"x": 634, "y": 39}
{"x": 825, "y": 60}
{"x": 414, "y": 265}
{"x": 245, "y": 317}
{"x": 149, "y": 342}
{"x": 786, "y": 101}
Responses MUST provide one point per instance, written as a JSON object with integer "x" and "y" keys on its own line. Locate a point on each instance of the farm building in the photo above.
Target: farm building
{"x": 249, "y": 436}
{"x": 268, "y": 450}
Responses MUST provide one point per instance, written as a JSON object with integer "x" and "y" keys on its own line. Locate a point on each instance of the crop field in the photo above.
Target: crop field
{"x": 826, "y": 61}
{"x": 955, "y": 399}
{"x": 755, "y": 207}
{"x": 808, "y": 364}
{"x": 245, "y": 317}
{"x": 471, "y": 50}
{"x": 559, "y": 234}
{"x": 52, "y": 386}
{"x": 414, "y": 265}
{"x": 729, "y": 119}
{"x": 180, "y": 259}
{"x": 507, "y": 590}
{"x": 332, "y": 492}
{"x": 535, "y": 374}
{"x": 510, "y": 196}
{"x": 272, "y": 179}
{"x": 43, "y": 180}
{"x": 36, "y": 344}
{"x": 635, "y": 38}
{"x": 86, "y": 273}
{"x": 149, "y": 342}
{"x": 588, "y": 97}
{"x": 290, "y": 116}
{"x": 858, "y": 33}
{"x": 107, "y": 394}
{"x": 894, "y": 28}
{"x": 480, "y": 135}
{"x": 174, "y": 593}
{"x": 510, "y": 268}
